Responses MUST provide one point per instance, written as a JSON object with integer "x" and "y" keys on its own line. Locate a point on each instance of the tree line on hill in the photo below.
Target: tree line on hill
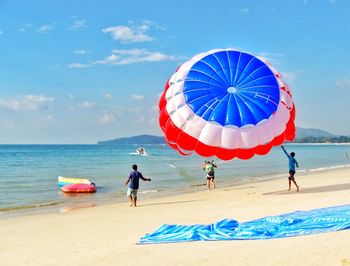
{"x": 333, "y": 139}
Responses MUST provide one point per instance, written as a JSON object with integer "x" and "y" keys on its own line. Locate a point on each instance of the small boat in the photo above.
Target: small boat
{"x": 79, "y": 188}
{"x": 141, "y": 151}
{"x": 62, "y": 181}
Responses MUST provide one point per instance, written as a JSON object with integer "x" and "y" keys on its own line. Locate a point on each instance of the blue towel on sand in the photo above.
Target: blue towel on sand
{"x": 285, "y": 225}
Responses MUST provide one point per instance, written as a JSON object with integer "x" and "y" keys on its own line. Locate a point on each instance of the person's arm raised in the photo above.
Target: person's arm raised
{"x": 285, "y": 152}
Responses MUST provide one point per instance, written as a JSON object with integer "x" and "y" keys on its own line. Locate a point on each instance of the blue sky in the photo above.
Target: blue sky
{"x": 83, "y": 71}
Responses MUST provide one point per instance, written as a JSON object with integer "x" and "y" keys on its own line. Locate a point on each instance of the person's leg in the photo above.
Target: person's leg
{"x": 135, "y": 200}
{"x": 131, "y": 201}
{"x": 295, "y": 183}
{"x": 292, "y": 173}
{"x": 289, "y": 183}
{"x": 212, "y": 180}
{"x": 129, "y": 194}
{"x": 208, "y": 184}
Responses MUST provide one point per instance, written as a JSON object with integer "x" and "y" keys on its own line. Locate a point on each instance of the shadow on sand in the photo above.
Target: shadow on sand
{"x": 167, "y": 203}
{"x": 330, "y": 188}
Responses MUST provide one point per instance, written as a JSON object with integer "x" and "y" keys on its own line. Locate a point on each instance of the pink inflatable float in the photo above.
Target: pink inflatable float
{"x": 79, "y": 188}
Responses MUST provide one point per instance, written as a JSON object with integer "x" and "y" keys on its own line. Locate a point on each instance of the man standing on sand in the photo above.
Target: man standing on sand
{"x": 292, "y": 164}
{"x": 133, "y": 179}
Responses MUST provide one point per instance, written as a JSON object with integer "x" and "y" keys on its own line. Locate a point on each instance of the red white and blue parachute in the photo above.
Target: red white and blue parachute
{"x": 226, "y": 103}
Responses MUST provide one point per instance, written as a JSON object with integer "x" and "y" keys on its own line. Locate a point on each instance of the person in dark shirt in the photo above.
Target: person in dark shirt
{"x": 292, "y": 164}
{"x": 133, "y": 181}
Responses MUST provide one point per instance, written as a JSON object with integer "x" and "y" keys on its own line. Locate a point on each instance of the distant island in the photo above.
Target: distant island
{"x": 314, "y": 135}
{"x": 304, "y": 135}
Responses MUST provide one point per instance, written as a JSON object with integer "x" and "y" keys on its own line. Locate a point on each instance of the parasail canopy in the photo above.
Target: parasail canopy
{"x": 226, "y": 103}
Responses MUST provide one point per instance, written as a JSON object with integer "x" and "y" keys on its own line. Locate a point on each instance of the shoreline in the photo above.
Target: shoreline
{"x": 107, "y": 234}
{"x": 57, "y": 207}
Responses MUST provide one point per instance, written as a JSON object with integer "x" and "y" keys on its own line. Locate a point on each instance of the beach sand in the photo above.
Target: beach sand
{"x": 107, "y": 235}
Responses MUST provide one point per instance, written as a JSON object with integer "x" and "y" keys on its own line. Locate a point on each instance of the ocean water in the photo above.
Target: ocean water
{"x": 28, "y": 173}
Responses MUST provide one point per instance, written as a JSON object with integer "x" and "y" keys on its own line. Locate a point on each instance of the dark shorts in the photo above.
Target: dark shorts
{"x": 210, "y": 176}
{"x": 291, "y": 175}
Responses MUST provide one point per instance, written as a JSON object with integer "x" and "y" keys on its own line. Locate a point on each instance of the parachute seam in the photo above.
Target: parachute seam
{"x": 205, "y": 74}
{"x": 215, "y": 71}
{"x": 260, "y": 78}
{"x": 239, "y": 58}
{"x": 245, "y": 67}
{"x": 250, "y": 75}
{"x": 223, "y": 71}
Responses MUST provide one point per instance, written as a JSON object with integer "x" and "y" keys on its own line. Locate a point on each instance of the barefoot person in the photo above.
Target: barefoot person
{"x": 133, "y": 181}
{"x": 208, "y": 167}
{"x": 292, "y": 164}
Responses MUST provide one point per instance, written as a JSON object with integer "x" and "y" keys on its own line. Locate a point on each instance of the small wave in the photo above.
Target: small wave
{"x": 198, "y": 185}
{"x": 149, "y": 191}
{"x": 135, "y": 153}
{"x": 77, "y": 207}
{"x": 324, "y": 168}
{"x": 23, "y": 207}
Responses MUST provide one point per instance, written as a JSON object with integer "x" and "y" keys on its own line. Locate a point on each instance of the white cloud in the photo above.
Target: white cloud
{"x": 79, "y": 65}
{"x": 107, "y": 118}
{"x": 343, "y": 83}
{"x": 288, "y": 76}
{"x": 86, "y": 105}
{"x": 45, "y": 118}
{"x": 132, "y": 56}
{"x": 78, "y": 24}
{"x": 45, "y": 29}
{"x": 135, "y": 111}
{"x": 25, "y": 27}
{"x": 137, "y": 97}
{"x": 80, "y": 52}
{"x": 25, "y": 103}
{"x": 244, "y": 10}
{"x": 155, "y": 108}
{"x": 154, "y": 120}
{"x": 109, "y": 60}
{"x": 140, "y": 119}
{"x": 129, "y": 34}
{"x": 107, "y": 96}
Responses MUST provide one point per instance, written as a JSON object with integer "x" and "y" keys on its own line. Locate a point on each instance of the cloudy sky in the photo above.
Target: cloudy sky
{"x": 83, "y": 71}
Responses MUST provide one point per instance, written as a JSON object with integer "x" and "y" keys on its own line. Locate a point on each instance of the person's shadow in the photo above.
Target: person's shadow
{"x": 329, "y": 188}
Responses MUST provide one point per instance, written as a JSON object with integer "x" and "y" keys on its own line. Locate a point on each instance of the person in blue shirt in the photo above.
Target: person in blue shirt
{"x": 292, "y": 164}
{"x": 133, "y": 181}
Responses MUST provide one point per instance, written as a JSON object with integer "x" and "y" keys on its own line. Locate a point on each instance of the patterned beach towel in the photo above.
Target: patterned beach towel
{"x": 285, "y": 225}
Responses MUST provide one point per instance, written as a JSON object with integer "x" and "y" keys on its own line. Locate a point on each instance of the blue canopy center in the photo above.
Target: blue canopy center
{"x": 232, "y": 88}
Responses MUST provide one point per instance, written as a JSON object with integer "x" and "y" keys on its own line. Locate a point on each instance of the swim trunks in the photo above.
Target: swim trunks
{"x": 210, "y": 175}
{"x": 291, "y": 175}
{"x": 132, "y": 192}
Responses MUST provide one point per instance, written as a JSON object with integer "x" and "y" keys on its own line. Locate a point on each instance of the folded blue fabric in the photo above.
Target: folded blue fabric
{"x": 285, "y": 225}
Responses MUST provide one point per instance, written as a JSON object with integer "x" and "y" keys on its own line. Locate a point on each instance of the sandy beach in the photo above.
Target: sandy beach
{"x": 107, "y": 235}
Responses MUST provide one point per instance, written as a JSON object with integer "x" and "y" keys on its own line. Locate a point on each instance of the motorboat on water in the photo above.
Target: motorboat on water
{"x": 141, "y": 151}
